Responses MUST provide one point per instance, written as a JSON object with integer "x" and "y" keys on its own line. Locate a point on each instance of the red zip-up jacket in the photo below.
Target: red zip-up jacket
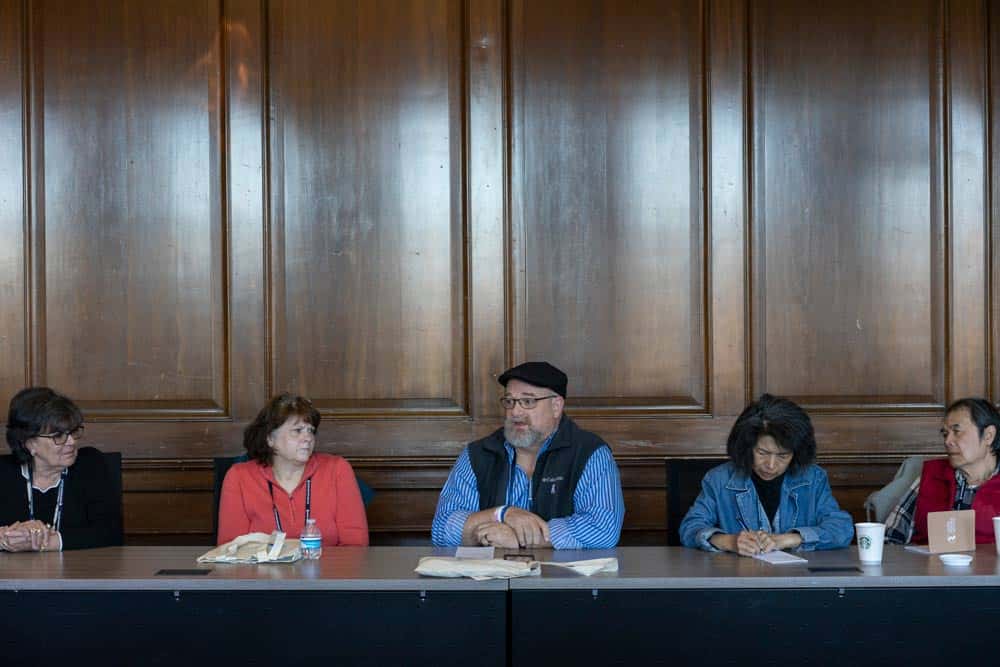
{"x": 245, "y": 505}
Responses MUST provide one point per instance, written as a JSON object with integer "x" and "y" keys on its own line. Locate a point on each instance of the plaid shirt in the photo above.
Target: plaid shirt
{"x": 899, "y": 523}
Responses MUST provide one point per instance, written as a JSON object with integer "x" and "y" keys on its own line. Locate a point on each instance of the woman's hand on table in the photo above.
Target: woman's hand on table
{"x": 753, "y": 542}
{"x": 29, "y": 536}
{"x": 787, "y": 540}
{"x": 745, "y": 543}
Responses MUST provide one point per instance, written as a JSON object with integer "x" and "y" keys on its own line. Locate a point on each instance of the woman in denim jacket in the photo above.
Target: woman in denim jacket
{"x": 770, "y": 495}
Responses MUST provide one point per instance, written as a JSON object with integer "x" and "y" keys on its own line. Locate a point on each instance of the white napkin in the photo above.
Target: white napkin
{"x": 498, "y": 568}
{"x": 588, "y": 567}
{"x": 478, "y": 569}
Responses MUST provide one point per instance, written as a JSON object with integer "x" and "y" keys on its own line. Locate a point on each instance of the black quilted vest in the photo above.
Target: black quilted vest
{"x": 556, "y": 475}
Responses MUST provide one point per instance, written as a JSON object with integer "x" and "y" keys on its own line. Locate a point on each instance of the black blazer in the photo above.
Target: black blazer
{"x": 92, "y": 515}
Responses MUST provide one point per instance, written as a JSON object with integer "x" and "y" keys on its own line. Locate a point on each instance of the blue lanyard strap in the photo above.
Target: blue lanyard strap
{"x": 274, "y": 508}
{"x": 30, "y": 483}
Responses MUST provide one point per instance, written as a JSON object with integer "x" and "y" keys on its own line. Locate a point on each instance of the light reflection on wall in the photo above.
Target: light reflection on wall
{"x": 131, "y": 159}
{"x": 844, "y": 191}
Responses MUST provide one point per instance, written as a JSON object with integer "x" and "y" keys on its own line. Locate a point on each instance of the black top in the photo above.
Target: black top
{"x": 91, "y": 515}
{"x": 769, "y": 492}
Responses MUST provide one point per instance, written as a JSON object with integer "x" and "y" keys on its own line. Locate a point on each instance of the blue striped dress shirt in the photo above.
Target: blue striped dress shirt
{"x": 598, "y": 505}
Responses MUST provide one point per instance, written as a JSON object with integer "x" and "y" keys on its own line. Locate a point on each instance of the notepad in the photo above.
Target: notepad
{"x": 780, "y": 558}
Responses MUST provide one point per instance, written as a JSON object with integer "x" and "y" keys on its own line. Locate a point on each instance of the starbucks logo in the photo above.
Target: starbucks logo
{"x": 865, "y": 542}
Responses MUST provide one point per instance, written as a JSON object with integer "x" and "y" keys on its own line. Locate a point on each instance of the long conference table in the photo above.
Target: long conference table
{"x": 665, "y": 605}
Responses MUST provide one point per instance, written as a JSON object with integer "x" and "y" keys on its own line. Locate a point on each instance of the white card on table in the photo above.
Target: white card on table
{"x": 474, "y": 553}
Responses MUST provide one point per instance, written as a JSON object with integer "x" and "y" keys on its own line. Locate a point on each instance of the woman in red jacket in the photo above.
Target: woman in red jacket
{"x": 285, "y": 482}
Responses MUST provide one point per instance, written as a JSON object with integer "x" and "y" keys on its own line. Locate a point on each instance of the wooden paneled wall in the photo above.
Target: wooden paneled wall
{"x": 382, "y": 204}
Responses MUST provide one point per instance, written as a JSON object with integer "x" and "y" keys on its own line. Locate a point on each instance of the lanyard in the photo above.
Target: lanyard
{"x": 57, "y": 516}
{"x": 274, "y": 508}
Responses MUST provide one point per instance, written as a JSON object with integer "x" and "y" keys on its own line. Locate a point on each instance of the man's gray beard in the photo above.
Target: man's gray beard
{"x": 526, "y": 440}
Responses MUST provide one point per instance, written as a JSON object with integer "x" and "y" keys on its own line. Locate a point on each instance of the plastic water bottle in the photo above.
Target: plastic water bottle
{"x": 311, "y": 541}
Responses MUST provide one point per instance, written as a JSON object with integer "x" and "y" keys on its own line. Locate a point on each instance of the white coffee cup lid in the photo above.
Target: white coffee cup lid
{"x": 955, "y": 559}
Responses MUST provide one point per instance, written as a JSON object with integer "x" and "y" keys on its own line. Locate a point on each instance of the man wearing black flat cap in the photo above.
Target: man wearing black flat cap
{"x": 539, "y": 481}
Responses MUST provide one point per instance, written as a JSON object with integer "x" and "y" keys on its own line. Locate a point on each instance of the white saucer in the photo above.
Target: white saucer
{"x": 955, "y": 559}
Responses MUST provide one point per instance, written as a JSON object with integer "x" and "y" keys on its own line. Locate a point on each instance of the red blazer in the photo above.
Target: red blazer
{"x": 245, "y": 505}
{"x": 937, "y": 493}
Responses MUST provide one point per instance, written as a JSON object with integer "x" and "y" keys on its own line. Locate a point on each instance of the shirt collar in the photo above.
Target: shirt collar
{"x": 962, "y": 482}
{"x": 26, "y": 476}
{"x": 741, "y": 481}
{"x": 310, "y": 469}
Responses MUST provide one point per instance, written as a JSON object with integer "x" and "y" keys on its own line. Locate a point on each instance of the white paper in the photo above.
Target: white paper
{"x": 780, "y": 558}
{"x": 474, "y": 553}
{"x": 918, "y": 549}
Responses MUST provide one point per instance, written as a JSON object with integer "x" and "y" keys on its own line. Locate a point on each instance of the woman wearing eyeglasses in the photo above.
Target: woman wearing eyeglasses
{"x": 770, "y": 495}
{"x": 285, "y": 482}
{"x": 54, "y": 495}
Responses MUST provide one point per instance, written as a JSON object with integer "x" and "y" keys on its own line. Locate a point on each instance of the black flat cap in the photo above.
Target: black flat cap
{"x": 538, "y": 373}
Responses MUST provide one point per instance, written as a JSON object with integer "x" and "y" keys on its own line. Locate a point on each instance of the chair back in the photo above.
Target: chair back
{"x": 220, "y": 466}
{"x": 880, "y": 503}
{"x": 113, "y": 463}
{"x": 683, "y": 486}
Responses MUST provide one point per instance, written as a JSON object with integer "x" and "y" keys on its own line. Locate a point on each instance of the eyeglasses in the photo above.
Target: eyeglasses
{"x": 526, "y": 402}
{"x": 62, "y": 437}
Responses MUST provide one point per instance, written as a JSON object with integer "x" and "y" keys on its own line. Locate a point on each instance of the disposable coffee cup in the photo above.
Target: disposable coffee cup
{"x": 996, "y": 531}
{"x": 871, "y": 537}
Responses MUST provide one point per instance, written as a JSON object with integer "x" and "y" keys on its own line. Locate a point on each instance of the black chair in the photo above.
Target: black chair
{"x": 222, "y": 464}
{"x": 683, "y": 486}
{"x": 113, "y": 461}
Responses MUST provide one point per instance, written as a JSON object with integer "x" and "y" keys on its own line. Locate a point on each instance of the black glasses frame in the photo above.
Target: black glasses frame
{"x": 59, "y": 438}
{"x": 526, "y": 402}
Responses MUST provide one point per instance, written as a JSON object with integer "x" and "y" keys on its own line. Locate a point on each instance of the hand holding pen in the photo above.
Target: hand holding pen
{"x": 753, "y": 542}
{"x": 765, "y": 542}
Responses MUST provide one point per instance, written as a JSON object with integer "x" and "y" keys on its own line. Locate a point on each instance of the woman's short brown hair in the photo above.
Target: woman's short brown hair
{"x": 37, "y": 410}
{"x": 270, "y": 418}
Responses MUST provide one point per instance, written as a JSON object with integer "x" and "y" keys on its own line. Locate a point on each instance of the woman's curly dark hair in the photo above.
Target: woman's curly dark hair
{"x": 270, "y": 418}
{"x": 779, "y": 418}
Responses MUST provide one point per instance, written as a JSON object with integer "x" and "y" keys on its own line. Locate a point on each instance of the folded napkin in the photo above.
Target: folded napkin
{"x": 255, "y": 548}
{"x": 475, "y": 568}
{"x": 498, "y": 568}
{"x": 588, "y": 567}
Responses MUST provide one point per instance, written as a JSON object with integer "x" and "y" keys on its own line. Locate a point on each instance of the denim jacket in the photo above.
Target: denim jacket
{"x": 728, "y": 504}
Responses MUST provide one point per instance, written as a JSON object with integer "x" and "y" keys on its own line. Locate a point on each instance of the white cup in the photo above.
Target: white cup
{"x": 996, "y": 531}
{"x": 871, "y": 538}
